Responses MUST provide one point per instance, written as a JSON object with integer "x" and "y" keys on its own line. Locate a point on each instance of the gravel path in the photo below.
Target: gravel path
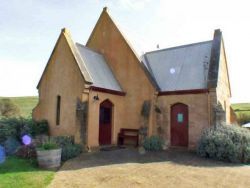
{"x": 126, "y": 168}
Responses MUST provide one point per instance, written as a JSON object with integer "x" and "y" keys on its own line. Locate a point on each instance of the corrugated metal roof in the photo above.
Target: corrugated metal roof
{"x": 180, "y": 68}
{"x": 98, "y": 69}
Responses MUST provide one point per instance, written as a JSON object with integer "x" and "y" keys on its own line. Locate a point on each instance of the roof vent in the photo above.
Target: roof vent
{"x": 158, "y": 46}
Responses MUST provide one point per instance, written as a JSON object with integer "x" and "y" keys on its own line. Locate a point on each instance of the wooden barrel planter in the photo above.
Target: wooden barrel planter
{"x": 49, "y": 158}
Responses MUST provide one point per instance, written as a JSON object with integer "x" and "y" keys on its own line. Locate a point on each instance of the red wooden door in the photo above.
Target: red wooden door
{"x": 105, "y": 122}
{"x": 179, "y": 125}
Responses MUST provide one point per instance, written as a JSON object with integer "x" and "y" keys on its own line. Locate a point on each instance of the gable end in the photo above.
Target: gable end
{"x": 65, "y": 33}
{"x": 141, "y": 65}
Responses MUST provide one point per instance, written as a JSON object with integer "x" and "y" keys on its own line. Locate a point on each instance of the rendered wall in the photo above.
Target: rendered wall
{"x": 119, "y": 117}
{"x": 61, "y": 77}
{"x": 223, "y": 87}
{"x": 198, "y": 111}
{"x": 107, "y": 40}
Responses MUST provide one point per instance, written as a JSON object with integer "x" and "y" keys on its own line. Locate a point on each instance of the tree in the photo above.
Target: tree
{"x": 8, "y": 108}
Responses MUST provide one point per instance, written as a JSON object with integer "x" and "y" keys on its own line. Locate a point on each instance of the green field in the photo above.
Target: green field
{"x": 23, "y": 173}
{"x": 241, "y": 108}
{"x": 242, "y": 111}
{"x": 25, "y": 104}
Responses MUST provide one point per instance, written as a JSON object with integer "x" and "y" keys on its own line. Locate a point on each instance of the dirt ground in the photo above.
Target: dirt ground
{"x": 126, "y": 168}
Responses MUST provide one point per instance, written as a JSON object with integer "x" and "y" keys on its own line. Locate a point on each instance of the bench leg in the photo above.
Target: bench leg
{"x": 120, "y": 141}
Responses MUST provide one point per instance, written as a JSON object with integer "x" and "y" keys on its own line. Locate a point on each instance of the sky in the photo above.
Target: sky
{"x": 29, "y": 30}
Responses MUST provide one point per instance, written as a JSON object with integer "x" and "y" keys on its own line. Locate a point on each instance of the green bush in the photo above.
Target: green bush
{"x": 39, "y": 127}
{"x": 48, "y": 146}
{"x": 225, "y": 142}
{"x": 17, "y": 127}
{"x": 7, "y": 130}
{"x": 70, "y": 151}
{"x": 8, "y": 108}
{"x": 11, "y": 145}
{"x": 153, "y": 143}
{"x": 63, "y": 140}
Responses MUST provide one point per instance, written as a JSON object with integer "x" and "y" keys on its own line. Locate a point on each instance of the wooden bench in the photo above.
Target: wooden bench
{"x": 130, "y": 134}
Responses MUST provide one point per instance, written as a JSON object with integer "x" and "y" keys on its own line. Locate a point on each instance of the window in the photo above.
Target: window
{"x": 58, "y": 106}
{"x": 179, "y": 117}
{"x": 105, "y": 115}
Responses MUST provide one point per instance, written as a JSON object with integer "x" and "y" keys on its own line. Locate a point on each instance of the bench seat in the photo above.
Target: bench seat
{"x": 130, "y": 134}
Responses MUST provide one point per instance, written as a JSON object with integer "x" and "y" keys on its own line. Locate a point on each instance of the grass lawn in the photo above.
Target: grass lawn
{"x": 25, "y": 104}
{"x": 21, "y": 173}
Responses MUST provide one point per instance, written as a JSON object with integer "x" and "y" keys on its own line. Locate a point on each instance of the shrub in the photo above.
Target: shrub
{"x": 8, "y": 108}
{"x": 28, "y": 151}
{"x": 17, "y": 127}
{"x": 39, "y": 127}
{"x": 7, "y": 130}
{"x": 11, "y": 145}
{"x": 145, "y": 111}
{"x": 63, "y": 140}
{"x": 153, "y": 143}
{"x": 247, "y": 154}
{"x": 48, "y": 146}
{"x": 226, "y": 143}
{"x": 70, "y": 151}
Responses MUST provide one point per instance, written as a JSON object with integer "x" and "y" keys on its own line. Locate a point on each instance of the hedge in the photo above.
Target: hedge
{"x": 17, "y": 127}
{"x": 225, "y": 142}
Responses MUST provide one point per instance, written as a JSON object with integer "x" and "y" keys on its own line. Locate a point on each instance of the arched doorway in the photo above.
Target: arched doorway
{"x": 179, "y": 125}
{"x": 105, "y": 122}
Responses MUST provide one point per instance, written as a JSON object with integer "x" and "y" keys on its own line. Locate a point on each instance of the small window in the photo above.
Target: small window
{"x": 105, "y": 115}
{"x": 58, "y": 108}
{"x": 179, "y": 117}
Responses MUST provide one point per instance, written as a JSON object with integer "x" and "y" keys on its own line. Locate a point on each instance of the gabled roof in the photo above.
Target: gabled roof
{"x": 142, "y": 66}
{"x": 188, "y": 67}
{"x": 91, "y": 64}
{"x": 98, "y": 69}
{"x": 180, "y": 68}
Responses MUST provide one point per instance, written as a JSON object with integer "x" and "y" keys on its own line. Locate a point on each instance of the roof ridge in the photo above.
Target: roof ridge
{"x": 180, "y": 46}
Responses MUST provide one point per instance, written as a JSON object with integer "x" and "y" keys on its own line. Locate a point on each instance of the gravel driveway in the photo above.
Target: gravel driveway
{"x": 126, "y": 168}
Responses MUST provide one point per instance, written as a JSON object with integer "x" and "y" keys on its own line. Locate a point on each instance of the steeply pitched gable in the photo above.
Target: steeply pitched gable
{"x": 105, "y": 35}
{"x": 66, "y": 35}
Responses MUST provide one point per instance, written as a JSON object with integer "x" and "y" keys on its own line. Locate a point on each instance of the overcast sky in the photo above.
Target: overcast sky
{"x": 29, "y": 30}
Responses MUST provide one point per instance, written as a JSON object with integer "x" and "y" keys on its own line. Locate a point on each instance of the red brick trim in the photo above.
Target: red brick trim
{"x": 110, "y": 91}
{"x": 183, "y": 92}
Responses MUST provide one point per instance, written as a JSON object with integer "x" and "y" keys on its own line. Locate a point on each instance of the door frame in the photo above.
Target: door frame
{"x": 171, "y": 123}
{"x": 108, "y": 104}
